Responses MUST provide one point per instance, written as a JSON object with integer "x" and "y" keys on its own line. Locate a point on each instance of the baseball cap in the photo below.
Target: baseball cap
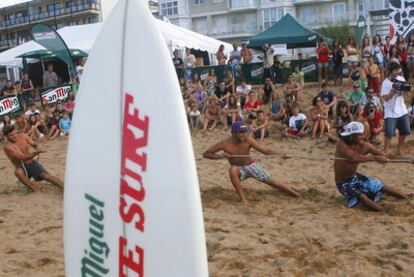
{"x": 353, "y": 127}
{"x": 239, "y": 126}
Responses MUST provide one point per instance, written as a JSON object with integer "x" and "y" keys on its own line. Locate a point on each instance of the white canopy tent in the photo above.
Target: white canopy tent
{"x": 83, "y": 36}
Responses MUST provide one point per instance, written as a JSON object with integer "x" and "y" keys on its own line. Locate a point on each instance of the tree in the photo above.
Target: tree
{"x": 341, "y": 33}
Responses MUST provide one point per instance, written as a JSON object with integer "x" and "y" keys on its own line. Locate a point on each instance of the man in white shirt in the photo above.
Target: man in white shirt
{"x": 189, "y": 63}
{"x": 31, "y": 110}
{"x": 395, "y": 110}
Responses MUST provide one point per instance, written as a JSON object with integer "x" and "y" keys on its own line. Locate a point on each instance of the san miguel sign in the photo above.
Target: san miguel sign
{"x": 9, "y": 105}
{"x": 53, "y": 95}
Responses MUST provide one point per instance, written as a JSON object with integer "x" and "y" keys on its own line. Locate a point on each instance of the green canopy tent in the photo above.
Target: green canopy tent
{"x": 287, "y": 31}
{"x": 47, "y": 54}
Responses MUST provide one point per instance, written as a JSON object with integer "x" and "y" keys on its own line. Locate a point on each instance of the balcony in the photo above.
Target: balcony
{"x": 35, "y": 17}
{"x": 234, "y": 30}
{"x": 329, "y": 19}
{"x": 4, "y": 44}
{"x": 242, "y": 5}
{"x": 306, "y": 2}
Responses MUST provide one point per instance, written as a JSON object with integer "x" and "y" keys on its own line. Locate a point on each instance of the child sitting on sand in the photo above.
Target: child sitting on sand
{"x": 194, "y": 114}
{"x": 65, "y": 124}
{"x": 297, "y": 123}
{"x": 260, "y": 126}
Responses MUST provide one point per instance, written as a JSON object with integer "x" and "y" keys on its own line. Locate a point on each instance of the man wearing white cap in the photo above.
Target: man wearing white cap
{"x": 351, "y": 150}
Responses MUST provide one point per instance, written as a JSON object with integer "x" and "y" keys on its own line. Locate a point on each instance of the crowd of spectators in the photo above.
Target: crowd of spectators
{"x": 373, "y": 98}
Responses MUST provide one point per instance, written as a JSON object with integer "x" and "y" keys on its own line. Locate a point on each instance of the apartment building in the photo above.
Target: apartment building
{"x": 235, "y": 20}
{"x": 17, "y": 20}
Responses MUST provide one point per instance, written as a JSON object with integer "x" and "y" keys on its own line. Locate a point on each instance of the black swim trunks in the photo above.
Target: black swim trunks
{"x": 33, "y": 170}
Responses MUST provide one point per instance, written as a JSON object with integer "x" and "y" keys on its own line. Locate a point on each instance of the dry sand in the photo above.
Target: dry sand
{"x": 273, "y": 236}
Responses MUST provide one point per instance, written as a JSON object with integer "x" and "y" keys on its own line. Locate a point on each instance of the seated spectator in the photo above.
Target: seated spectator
{"x": 70, "y": 104}
{"x": 64, "y": 124}
{"x": 8, "y": 89}
{"x": 59, "y": 109}
{"x": 260, "y": 126}
{"x": 222, "y": 94}
{"x": 343, "y": 117}
{"x": 32, "y": 110}
{"x": 266, "y": 91}
{"x": 212, "y": 115}
{"x": 6, "y": 121}
{"x": 47, "y": 117}
{"x": 374, "y": 99}
{"x": 297, "y": 123}
{"x": 200, "y": 97}
{"x": 194, "y": 116}
{"x": 229, "y": 82}
{"x": 277, "y": 109}
{"x": 319, "y": 115}
{"x": 34, "y": 130}
{"x": 55, "y": 128}
{"x": 328, "y": 98}
{"x": 242, "y": 91}
{"x": 210, "y": 82}
{"x": 232, "y": 111}
{"x": 356, "y": 99}
{"x": 374, "y": 76}
{"x": 299, "y": 76}
{"x": 21, "y": 125}
{"x": 252, "y": 105}
{"x": 288, "y": 104}
{"x": 411, "y": 112}
{"x": 373, "y": 123}
{"x": 292, "y": 88}
{"x": 196, "y": 82}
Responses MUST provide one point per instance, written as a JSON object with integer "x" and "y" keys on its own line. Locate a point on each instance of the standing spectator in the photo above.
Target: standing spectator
{"x": 210, "y": 82}
{"x": 410, "y": 58}
{"x": 220, "y": 56}
{"x": 189, "y": 63}
{"x": 352, "y": 52}
{"x": 402, "y": 50}
{"x": 366, "y": 49}
{"x": 242, "y": 91}
{"x": 373, "y": 123}
{"x": 387, "y": 47}
{"x": 411, "y": 112}
{"x": 246, "y": 54}
{"x": 342, "y": 117}
{"x": 260, "y": 126}
{"x": 379, "y": 56}
{"x": 79, "y": 69}
{"x": 235, "y": 58}
{"x": 395, "y": 110}
{"x": 356, "y": 99}
{"x": 299, "y": 76}
{"x": 268, "y": 62}
{"x": 50, "y": 78}
{"x": 374, "y": 76}
{"x": 323, "y": 61}
{"x": 177, "y": 60}
{"x": 8, "y": 89}
{"x": 266, "y": 91}
{"x": 27, "y": 90}
{"x": 297, "y": 123}
{"x": 64, "y": 124}
{"x": 337, "y": 55}
{"x": 328, "y": 98}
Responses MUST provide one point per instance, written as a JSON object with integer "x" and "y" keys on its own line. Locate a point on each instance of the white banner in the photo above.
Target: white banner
{"x": 9, "y": 105}
{"x": 309, "y": 68}
{"x": 53, "y": 95}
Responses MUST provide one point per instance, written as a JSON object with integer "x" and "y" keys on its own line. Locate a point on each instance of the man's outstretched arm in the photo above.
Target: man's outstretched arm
{"x": 210, "y": 153}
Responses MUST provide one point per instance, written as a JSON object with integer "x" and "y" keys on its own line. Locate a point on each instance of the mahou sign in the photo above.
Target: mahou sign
{"x": 51, "y": 96}
{"x": 132, "y": 189}
{"x": 9, "y": 105}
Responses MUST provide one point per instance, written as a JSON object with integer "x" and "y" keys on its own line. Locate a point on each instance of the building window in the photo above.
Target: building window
{"x": 361, "y": 7}
{"x": 271, "y": 16}
{"x": 51, "y": 9}
{"x": 92, "y": 20}
{"x": 198, "y": 2}
{"x": 309, "y": 15}
{"x": 339, "y": 12}
{"x": 386, "y": 4}
{"x": 169, "y": 8}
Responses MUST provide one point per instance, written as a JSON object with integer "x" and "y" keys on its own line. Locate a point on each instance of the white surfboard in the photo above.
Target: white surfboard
{"x": 132, "y": 201}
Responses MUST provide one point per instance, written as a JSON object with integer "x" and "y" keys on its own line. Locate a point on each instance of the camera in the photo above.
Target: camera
{"x": 355, "y": 75}
{"x": 400, "y": 85}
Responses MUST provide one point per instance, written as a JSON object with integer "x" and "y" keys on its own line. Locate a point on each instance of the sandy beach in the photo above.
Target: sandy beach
{"x": 275, "y": 235}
